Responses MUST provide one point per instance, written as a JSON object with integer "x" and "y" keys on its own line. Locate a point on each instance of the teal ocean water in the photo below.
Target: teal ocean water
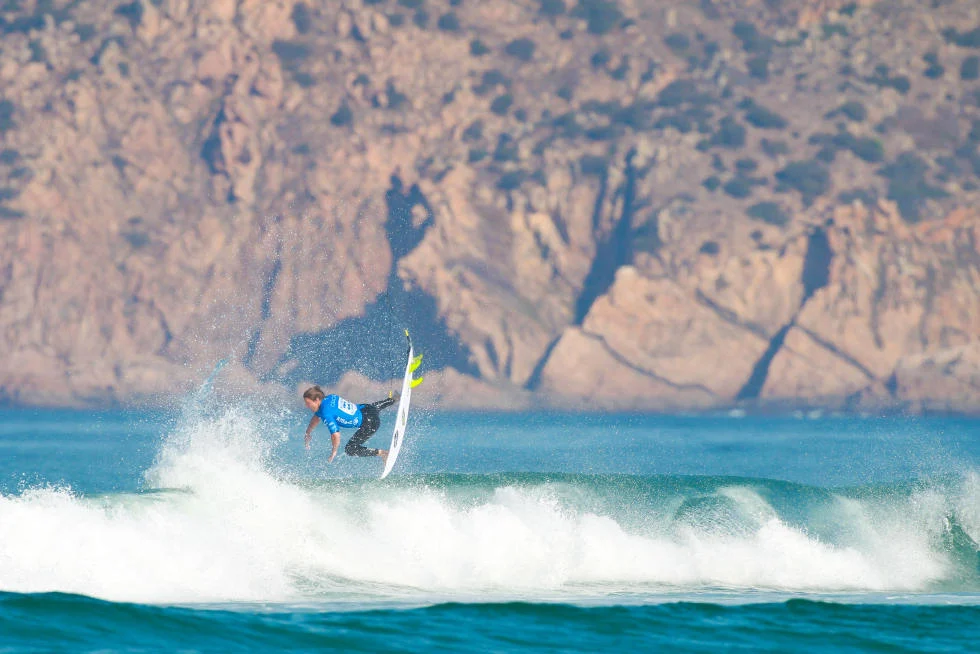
{"x": 211, "y": 529}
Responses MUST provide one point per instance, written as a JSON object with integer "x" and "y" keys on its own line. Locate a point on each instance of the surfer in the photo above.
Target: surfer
{"x": 337, "y": 412}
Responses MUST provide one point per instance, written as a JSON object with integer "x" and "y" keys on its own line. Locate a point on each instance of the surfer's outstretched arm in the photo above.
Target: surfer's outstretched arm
{"x": 335, "y": 443}
{"x": 314, "y": 421}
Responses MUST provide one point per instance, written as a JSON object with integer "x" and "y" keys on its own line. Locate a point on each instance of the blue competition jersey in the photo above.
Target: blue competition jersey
{"x": 336, "y": 412}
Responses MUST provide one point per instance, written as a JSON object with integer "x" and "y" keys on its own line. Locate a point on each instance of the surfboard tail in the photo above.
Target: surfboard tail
{"x": 413, "y": 363}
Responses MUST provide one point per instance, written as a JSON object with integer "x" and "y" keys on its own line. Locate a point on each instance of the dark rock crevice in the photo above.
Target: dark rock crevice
{"x": 600, "y": 200}
{"x": 491, "y": 350}
{"x": 509, "y": 364}
{"x": 612, "y": 252}
{"x": 876, "y": 299}
{"x": 615, "y": 251}
{"x": 374, "y": 343}
{"x": 265, "y": 309}
{"x": 728, "y": 315}
{"x": 891, "y": 385}
{"x": 642, "y": 371}
{"x": 833, "y": 349}
{"x": 533, "y": 382}
{"x": 168, "y": 336}
{"x": 403, "y": 236}
{"x": 815, "y": 276}
{"x": 760, "y": 372}
{"x": 211, "y": 148}
{"x": 816, "y": 265}
{"x": 928, "y": 304}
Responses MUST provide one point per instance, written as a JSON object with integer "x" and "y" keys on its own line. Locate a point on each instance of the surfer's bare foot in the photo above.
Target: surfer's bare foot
{"x": 384, "y": 456}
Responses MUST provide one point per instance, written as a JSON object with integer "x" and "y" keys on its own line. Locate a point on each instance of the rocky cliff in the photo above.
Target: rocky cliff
{"x": 580, "y": 203}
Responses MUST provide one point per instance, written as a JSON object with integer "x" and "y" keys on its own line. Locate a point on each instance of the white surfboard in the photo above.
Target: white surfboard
{"x": 401, "y": 418}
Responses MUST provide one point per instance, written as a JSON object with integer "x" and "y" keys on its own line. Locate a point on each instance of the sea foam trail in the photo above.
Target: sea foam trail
{"x": 221, "y": 524}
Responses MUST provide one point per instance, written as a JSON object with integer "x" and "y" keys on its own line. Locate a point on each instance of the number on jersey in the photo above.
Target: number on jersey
{"x": 347, "y": 407}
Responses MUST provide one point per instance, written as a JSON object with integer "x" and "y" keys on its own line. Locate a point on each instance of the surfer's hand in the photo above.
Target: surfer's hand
{"x": 333, "y": 455}
{"x": 306, "y": 441}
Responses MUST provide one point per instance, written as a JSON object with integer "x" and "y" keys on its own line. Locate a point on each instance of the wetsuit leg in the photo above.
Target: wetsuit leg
{"x": 385, "y": 403}
{"x": 355, "y": 446}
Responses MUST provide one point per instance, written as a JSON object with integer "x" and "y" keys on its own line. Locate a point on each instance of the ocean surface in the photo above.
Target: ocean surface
{"x": 210, "y": 528}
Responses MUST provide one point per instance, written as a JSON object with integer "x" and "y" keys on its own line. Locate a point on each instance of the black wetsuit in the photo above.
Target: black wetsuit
{"x": 370, "y": 424}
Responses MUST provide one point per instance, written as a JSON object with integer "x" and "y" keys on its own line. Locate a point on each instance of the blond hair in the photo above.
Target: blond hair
{"x": 314, "y": 393}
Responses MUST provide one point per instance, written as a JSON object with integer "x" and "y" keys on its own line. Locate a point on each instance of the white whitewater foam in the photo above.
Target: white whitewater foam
{"x": 235, "y": 531}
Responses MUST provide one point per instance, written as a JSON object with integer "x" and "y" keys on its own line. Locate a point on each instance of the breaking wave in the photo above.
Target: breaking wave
{"x": 218, "y": 521}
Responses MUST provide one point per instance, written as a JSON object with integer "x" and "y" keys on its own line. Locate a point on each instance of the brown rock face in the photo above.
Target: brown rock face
{"x": 945, "y": 380}
{"x": 882, "y": 303}
{"x": 587, "y": 204}
{"x": 658, "y": 339}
